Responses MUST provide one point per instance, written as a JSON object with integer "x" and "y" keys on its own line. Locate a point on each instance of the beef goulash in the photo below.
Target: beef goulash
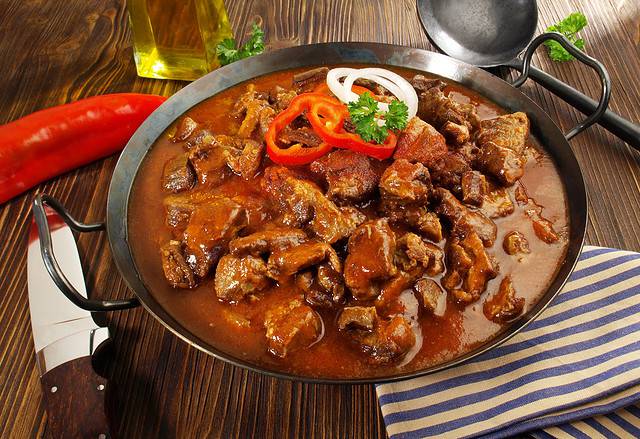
{"x": 307, "y": 236}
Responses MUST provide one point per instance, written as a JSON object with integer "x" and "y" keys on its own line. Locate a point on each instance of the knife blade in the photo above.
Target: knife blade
{"x": 65, "y": 337}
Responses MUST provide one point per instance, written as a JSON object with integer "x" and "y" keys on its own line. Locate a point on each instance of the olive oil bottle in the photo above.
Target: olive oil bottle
{"x": 177, "y": 39}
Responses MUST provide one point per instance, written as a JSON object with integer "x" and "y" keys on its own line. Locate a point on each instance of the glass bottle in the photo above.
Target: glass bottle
{"x": 177, "y": 39}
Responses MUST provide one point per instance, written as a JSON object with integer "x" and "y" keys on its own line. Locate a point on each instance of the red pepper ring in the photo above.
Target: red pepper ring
{"x": 330, "y": 129}
{"x": 296, "y": 154}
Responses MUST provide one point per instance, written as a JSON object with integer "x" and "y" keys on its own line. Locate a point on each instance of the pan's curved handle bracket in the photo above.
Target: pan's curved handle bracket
{"x": 50, "y": 262}
{"x": 580, "y": 56}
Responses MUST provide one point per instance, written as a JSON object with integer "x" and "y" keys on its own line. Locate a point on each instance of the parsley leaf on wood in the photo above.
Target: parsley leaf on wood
{"x": 227, "y": 51}
{"x": 569, "y": 27}
{"x": 364, "y": 112}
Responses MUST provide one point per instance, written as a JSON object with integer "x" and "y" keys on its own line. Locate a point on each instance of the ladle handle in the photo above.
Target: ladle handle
{"x": 614, "y": 123}
{"x": 596, "y": 65}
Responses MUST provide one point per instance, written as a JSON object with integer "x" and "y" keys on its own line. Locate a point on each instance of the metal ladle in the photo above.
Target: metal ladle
{"x": 491, "y": 33}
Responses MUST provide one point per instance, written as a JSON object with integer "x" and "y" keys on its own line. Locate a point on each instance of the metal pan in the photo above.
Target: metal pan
{"x": 506, "y": 95}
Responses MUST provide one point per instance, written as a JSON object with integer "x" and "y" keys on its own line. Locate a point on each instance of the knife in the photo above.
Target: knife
{"x": 65, "y": 338}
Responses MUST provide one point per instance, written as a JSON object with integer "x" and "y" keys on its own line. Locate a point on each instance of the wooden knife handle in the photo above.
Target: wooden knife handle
{"x": 74, "y": 397}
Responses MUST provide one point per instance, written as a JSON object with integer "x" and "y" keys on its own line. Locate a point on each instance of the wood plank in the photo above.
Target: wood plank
{"x": 56, "y": 52}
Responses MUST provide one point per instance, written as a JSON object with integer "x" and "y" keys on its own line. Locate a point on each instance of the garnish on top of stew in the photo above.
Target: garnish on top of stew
{"x": 378, "y": 232}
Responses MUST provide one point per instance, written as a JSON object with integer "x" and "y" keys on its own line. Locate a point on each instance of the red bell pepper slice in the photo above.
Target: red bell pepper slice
{"x": 327, "y": 119}
{"x": 296, "y": 154}
{"x": 326, "y": 115}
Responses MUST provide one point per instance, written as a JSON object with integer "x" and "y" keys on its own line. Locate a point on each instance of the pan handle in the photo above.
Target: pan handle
{"x": 49, "y": 258}
{"x": 580, "y": 56}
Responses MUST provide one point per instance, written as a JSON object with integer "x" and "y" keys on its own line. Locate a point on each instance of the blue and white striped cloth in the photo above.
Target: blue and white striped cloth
{"x": 574, "y": 372}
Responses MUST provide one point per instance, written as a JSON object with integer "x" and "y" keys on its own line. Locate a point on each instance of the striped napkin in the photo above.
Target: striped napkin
{"x": 573, "y": 372}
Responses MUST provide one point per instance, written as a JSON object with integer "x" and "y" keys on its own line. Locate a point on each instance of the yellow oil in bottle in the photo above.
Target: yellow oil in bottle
{"x": 177, "y": 39}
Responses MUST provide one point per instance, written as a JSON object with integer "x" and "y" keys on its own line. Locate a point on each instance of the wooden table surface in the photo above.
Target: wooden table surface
{"x": 55, "y": 52}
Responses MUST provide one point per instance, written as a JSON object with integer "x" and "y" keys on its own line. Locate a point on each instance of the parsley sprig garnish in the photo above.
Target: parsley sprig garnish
{"x": 365, "y": 111}
{"x": 569, "y": 27}
{"x": 228, "y": 52}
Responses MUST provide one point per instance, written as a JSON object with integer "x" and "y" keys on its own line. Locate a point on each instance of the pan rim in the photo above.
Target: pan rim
{"x": 353, "y": 52}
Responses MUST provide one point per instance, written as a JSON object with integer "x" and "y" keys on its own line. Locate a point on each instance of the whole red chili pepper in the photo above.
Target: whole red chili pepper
{"x": 52, "y": 141}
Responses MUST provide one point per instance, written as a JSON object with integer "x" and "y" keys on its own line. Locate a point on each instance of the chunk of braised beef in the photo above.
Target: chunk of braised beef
{"x": 303, "y": 203}
{"x": 266, "y": 116}
{"x": 501, "y": 142}
{"x": 469, "y": 268}
{"x": 412, "y": 252}
{"x": 515, "y": 243}
{"x": 175, "y": 267}
{"x": 237, "y": 277}
{"x": 201, "y": 138}
{"x": 267, "y": 241}
{"x": 292, "y": 326}
{"x": 424, "y": 222}
{"x": 387, "y": 302}
{"x": 323, "y": 286}
{"x": 329, "y": 279}
{"x": 178, "y": 214}
{"x": 389, "y": 341}
{"x": 294, "y": 196}
{"x": 504, "y": 305}
{"x": 542, "y": 227}
{"x": 185, "y": 128}
{"x": 497, "y": 203}
{"x": 370, "y": 258}
{"x": 281, "y": 97}
{"x": 509, "y": 131}
{"x": 304, "y": 136}
{"x": 520, "y": 194}
{"x": 503, "y": 164}
{"x": 448, "y": 171}
{"x": 456, "y": 134}
{"x": 349, "y": 175}
{"x": 437, "y": 108}
{"x": 469, "y": 152}
{"x": 210, "y": 164}
{"x": 358, "y": 317}
{"x": 243, "y": 156}
{"x": 259, "y": 215}
{"x": 288, "y": 261}
{"x": 177, "y": 175}
{"x": 431, "y": 296}
{"x": 180, "y": 207}
{"x": 209, "y": 231}
{"x": 405, "y": 183}
{"x": 421, "y": 83}
{"x": 255, "y": 111}
{"x": 418, "y": 218}
{"x": 331, "y": 223}
{"x": 242, "y": 103}
{"x": 420, "y": 142}
{"x": 465, "y": 221}
{"x": 258, "y": 116}
{"x": 308, "y": 80}
{"x": 474, "y": 187}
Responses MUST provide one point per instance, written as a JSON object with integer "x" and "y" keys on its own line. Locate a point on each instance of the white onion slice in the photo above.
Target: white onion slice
{"x": 396, "y": 84}
{"x": 393, "y": 88}
{"x": 333, "y": 82}
{"x": 410, "y": 95}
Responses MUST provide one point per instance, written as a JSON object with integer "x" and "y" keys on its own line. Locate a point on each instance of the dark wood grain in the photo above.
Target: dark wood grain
{"x": 56, "y": 52}
{"x": 74, "y": 398}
